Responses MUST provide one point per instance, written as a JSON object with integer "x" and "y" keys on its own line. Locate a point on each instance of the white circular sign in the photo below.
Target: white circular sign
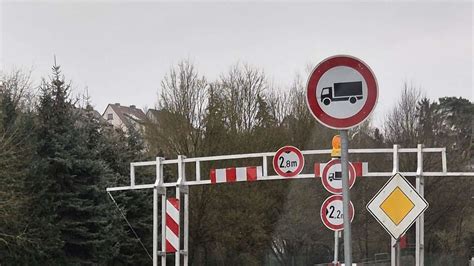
{"x": 345, "y": 97}
{"x": 288, "y": 161}
{"x": 332, "y": 213}
{"x": 331, "y": 176}
{"x": 341, "y": 92}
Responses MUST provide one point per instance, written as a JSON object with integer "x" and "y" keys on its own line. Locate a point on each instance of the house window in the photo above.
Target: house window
{"x": 110, "y": 116}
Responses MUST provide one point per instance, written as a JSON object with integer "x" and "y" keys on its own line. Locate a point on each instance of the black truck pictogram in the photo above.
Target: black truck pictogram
{"x": 342, "y": 91}
{"x": 335, "y": 176}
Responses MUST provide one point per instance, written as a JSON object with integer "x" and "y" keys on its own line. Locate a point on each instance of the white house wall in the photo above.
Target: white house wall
{"x": 116, "y": 121}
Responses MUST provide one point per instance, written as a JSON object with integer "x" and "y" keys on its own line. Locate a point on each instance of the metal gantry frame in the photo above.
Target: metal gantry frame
{"x": 181, "y": 186}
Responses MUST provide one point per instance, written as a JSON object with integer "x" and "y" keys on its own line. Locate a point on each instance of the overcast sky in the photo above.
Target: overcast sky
{"x": 121, "y": 51}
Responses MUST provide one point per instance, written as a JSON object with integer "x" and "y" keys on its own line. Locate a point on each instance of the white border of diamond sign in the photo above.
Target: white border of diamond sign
{"x": 420, "y": 205}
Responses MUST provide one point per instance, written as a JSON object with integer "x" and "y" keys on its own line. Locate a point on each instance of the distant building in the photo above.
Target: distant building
{"x": 90, "y": 111}
{"x": 87, "y": 114}
{"x": 124, "y": 117}
{"x": 152, "y": 115}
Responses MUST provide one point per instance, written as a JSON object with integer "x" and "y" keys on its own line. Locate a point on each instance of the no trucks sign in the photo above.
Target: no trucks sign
{"x": 341, "y": 92}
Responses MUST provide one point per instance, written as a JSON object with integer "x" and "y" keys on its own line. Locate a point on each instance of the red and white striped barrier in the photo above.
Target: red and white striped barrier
{"x": 361, "y": 168}
{"x": 236, "y": 174}
{"x": 172, "y": 225}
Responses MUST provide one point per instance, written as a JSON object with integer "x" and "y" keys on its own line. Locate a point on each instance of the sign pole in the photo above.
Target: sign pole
{"x": 163, "y": 227}
{"x": 341, "y": 93}
{"x": 346, "y": 198}
{"x": 394, "y": 252}
{"x": 155, "y": 226}
{"x": 397, "y": 252}
{"x": 420, "y": 222}
{"x": 336, "y": 247}
{"x": 178, "y": 197}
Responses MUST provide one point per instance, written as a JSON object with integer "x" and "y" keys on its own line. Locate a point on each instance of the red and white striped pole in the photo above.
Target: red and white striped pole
{"x": 172, "y": 225}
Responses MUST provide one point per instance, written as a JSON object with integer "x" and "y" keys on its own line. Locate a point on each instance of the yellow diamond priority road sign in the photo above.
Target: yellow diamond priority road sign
{"x": 397, "y": 205}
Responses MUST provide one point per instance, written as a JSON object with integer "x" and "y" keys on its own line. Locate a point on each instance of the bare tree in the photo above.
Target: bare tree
{"x": 279, "y": 104}
{"x": 242, "y": 86}
{"x": 17, "y": 83}
{"x": 401, "y": 123}
{"x": 15, "y": 155}
{"x": 182, "y": 104}
{"x": 297, "y": 98}
{"x": 184, "y": 92}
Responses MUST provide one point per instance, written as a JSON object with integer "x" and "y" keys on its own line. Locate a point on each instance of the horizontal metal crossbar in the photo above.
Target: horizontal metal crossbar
{"x": 302, "y": 176}
{"x": 270, "y": 154}
{"x": 265, "y": 176}
{"x": 146, "y": 186}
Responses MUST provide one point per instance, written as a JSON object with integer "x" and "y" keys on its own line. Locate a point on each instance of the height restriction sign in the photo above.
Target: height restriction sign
{"x": 332, "y": 213}
{"x": 341, "y": 92}
{"x": 288, "y": 161}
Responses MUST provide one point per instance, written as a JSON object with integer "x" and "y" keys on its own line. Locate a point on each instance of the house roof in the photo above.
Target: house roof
{"x": 98, "y": 116}
{"x": 125, "y": 113}
{"x": 153, "y": 113}
{"x": 85, "y": 111}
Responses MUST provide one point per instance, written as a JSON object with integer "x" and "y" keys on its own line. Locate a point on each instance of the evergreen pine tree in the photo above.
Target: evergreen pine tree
{"x": 119, "y": 152}
{"x": 51, "y": 168}
{"x": 69, "y": 206}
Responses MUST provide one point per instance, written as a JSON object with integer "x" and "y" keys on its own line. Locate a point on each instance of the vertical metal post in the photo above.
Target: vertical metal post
{"x": 163, "y": 228}
{"x": 155, "y": 226}
{"x": 397, "y": 252}
{"x": 186, "y": 229}
{"x": 420, "y": 222}
{"x": 186, "y": 217}
{"x": 394, "y": 244}
{"x": 264, "y": 166}
{"x": 198, "y": 171}
{"x": 178, "y": 196}
{"x": 336, "y": 247}
{"x": 132, "y": 175}
{"x": 443, "y": 160}
{"x": 346, "y": 197}
{"x": 158, "y": 183}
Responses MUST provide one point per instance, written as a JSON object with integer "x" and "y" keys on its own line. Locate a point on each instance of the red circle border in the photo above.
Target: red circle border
{"x": 322, "y": 213}
{"x": 372, "y": 92}
{"x": 291, "y": 149}
{"x": 324, "y": 179}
